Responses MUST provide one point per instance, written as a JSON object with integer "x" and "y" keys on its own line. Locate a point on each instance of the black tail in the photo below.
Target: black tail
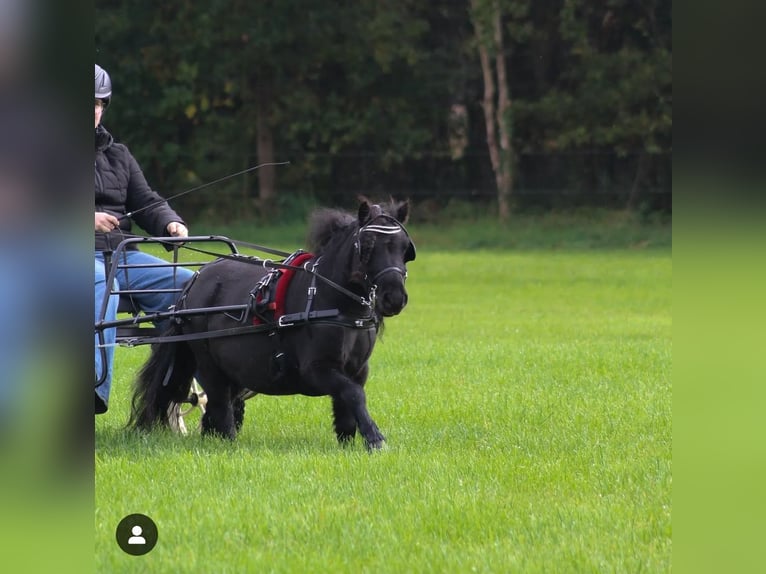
{"x": 165, "y": 378}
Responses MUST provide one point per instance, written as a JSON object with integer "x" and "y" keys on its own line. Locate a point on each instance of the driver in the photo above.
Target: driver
{"x": 121, "y": 188}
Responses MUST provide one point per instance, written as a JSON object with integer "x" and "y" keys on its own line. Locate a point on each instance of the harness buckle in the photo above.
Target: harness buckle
{"x": 312, "y": 291}
{"x": 371, "y": 297}
{"x": 282, "y": 323}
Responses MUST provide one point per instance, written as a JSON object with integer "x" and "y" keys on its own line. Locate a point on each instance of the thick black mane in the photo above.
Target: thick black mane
{"x": 324, "y": 225}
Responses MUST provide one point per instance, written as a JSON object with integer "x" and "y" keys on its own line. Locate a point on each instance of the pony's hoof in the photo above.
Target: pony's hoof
{"x": 377, "y": 446}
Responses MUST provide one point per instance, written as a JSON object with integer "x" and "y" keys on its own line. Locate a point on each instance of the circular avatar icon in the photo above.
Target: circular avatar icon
{"x": 136, "y": 534}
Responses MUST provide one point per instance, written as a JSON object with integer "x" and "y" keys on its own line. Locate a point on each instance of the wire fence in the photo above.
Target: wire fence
{"x": 542, "y": 181}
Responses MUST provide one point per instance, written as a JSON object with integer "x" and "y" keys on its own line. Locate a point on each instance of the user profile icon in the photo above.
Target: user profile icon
{"x": 136, "y": 538}
{"x": 136, "y": 534}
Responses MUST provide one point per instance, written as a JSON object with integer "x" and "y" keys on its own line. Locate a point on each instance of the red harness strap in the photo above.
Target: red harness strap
{"x": 284, "y": 283}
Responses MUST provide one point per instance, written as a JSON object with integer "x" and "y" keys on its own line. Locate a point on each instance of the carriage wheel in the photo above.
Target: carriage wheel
{"x": 177, "y": 411}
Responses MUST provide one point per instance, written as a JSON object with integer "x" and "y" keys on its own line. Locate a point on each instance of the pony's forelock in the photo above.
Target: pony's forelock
{"x": 399, "y": 210}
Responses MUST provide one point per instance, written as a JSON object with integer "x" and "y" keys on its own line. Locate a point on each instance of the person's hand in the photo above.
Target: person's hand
{"x": 106, "y": 222}
{"x": 177, "y": 229}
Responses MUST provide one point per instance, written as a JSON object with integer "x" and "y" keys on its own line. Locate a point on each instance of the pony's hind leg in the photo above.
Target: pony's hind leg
{"x": 238, "y": 408}
{"x": 343, "y": 421}
{"x": 219, "y": 418}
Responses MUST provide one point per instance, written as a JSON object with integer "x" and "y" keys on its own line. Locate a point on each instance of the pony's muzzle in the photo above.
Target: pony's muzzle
{"x": 392, "y": 303}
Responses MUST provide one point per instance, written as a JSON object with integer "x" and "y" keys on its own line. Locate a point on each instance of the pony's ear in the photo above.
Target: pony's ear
{"x": 402, "y": 211}
{"x": 364, "y": 210}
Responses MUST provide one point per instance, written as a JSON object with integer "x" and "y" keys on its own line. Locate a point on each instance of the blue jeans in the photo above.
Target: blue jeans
{"x": 141, "y": 278}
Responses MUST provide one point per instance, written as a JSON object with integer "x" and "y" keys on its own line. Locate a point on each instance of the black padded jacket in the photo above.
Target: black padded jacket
{"x": 122, "y": 188}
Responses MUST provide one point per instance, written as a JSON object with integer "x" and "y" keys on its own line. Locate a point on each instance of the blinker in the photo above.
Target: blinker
{"x": 409, "y": 255}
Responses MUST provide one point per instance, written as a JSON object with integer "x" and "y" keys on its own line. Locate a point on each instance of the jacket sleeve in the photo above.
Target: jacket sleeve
{"x": 153, "y": 219}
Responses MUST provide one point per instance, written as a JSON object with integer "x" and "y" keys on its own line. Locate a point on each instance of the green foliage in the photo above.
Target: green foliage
{"x": 527, "y": 406}
{"x": 358, "y": 94}
{"x": 615, "y": 86}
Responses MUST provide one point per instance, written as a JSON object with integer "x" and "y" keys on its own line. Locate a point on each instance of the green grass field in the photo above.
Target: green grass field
{"x": 526, "y": 399}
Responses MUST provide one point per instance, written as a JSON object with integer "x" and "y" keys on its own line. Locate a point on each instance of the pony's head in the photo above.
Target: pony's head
{"x": 375, "y": 245}
{"x": 384, "y": 247}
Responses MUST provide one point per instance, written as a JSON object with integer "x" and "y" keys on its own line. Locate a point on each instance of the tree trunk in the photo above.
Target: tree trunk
{"x": 489, "y": 111}
{"x": 505, "y": 183}
{"x": 496, "y": 114}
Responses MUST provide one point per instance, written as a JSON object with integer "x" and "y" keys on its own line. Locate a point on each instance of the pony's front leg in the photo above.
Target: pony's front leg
{"x": 349, "y": 405}
{"x": 344, "y": 421}
{"x": 352, "y": 395}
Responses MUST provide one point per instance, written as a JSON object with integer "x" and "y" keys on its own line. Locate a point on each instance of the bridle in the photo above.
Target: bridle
{"x": 393, "y": 228}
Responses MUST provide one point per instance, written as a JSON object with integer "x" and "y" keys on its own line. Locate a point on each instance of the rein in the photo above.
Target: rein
{"x": 270, "y": 264}
{"x": 330, "y": 316}
{"x": 370, "y": 227}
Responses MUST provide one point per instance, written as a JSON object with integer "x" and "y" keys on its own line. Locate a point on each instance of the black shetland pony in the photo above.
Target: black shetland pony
{"x": 333, "y": 311}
